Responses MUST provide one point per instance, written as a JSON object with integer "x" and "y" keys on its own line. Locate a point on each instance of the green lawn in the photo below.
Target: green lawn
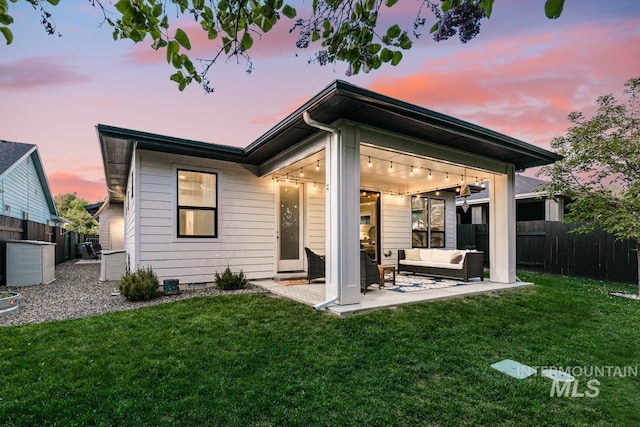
{"x": 256, "y": 360}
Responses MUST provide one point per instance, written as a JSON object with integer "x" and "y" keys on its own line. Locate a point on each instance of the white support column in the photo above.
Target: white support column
{"x": 502, "y": 227}
{"x": 343, "y": 216}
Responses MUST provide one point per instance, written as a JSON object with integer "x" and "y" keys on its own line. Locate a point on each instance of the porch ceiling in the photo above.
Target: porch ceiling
{"x": 428, "y": 174}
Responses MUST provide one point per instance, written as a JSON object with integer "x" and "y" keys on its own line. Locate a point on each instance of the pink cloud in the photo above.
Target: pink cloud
{"x": 276, "y": 117}
{"x": 525, "y": 86}
{"x": 65, "y": 182}
{"x": 35, "y": 73}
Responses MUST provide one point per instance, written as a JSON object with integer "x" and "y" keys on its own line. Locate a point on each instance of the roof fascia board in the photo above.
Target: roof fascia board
{"x": 44, "y": 183}
{"x": 166, "y": 143}
{"x": 392, "y": 140}
{"x": 303, "y": 149}
{"x": 327, "y": 92}
{"x": 518, "y": 197}
{"x": 535, "y": 195}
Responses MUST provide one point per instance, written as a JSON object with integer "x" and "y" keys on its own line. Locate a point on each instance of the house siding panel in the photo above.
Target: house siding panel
{"x": 315, "y": 218}
{"x": 112, "y": 221}
{"x": 130, "y": 208}
{"x": 246, "y": 221}
{"x": 23, "y": 192}
{"x": 396, "y": 226}
{"x": 450, "y": 222}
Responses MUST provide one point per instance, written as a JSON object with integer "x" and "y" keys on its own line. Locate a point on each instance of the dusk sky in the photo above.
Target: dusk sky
{"x": 521, "y": 76}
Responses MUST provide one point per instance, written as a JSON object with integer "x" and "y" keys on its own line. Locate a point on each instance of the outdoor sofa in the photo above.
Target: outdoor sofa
{"x": 459, "y": 264}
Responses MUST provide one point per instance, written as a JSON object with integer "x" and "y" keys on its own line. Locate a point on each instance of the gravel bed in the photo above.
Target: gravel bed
{"x": 77, "y": 293}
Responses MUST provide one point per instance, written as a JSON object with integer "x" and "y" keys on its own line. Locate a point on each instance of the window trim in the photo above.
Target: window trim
{"x": 196, "y": 208}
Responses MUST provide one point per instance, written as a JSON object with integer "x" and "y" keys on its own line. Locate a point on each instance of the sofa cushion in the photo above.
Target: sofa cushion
{"x": 432, "y": 264}
{"x": 426, "y": 254}
{"x": 412, "y": 254}
{"x": 441, "y": 255}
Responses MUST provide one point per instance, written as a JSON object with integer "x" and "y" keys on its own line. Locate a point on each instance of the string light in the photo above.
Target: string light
{"x": 461, "y": 178}
{"x": 430, "y": 174}
{"x": 411, "y": 173}
{"x": 446, "y": 178}
{"x": 318, "y": 165}
{"x": 390, "y": 165}
{"x": 287, "y": 178}
{"x": 370, "y": 164}
{"x": 301, "y": 172}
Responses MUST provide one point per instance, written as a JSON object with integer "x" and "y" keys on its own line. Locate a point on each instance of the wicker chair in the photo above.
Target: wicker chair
{"x": 369, "y": 273}
{"x": 315, "y": 265}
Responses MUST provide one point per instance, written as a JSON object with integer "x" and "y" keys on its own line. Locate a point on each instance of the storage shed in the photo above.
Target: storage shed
{"x": 30, "y": 262}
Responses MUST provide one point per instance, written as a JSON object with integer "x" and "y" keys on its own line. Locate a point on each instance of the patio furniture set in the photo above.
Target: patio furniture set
{"x": 459, "y": 264}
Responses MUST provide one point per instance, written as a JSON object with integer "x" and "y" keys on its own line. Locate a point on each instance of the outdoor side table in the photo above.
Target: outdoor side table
{"x": 383, "y": 269}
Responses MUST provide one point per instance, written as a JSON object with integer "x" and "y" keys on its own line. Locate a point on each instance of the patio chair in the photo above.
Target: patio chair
{"x": 369, "y": 273}
{"x": 315, "y": 265}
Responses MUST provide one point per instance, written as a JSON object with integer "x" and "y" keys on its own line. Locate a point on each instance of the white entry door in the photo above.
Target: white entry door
{"x": 290, "y": 241}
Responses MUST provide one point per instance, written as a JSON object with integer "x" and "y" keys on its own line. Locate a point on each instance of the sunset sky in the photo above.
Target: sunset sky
{"x": 521, "y": 76}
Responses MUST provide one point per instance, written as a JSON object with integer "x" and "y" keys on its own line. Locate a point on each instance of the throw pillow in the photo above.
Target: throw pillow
{"x": 412, "y": 254}
{"x": 457, "y": 259}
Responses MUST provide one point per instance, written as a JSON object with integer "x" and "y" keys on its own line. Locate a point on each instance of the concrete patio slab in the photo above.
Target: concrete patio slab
{"x": 312, "y": 294}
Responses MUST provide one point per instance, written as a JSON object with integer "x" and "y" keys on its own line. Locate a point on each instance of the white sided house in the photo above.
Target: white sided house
{"x": 349, "y": 169}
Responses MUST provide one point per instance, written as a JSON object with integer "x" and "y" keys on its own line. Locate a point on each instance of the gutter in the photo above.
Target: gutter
{"x": 318, "y": 125}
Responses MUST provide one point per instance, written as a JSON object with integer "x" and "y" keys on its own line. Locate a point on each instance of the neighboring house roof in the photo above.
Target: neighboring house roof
{"x": 93, "y": 208}
{"x": 526, "y": 188}
{"x": 339, "y": 100}
{"x": 12, "y": 153}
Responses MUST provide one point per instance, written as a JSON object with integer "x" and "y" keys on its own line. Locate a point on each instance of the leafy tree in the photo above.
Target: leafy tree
{"x": 72, "y": 208}
{"x": 600, "y": 170}
{"x": 347, "y": 30}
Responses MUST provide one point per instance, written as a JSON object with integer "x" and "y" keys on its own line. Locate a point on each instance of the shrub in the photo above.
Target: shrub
{"x": 229, "y": 280}
{"x": 141, "y": 285}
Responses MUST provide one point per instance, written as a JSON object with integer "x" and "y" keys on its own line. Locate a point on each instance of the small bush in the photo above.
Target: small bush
{"x": 141, "y": 285}
{"x": 229, "y": 280}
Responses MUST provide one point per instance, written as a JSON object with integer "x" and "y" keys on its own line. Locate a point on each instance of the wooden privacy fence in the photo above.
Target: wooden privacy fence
{"x": 551, "y": 247}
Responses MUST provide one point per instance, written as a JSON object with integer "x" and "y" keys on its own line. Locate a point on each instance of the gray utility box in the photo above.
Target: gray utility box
{"x": 112, "y": 265}
{"x": 30, "y": 262}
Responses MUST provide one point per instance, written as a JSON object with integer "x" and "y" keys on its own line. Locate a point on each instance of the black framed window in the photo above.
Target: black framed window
{"x": 197, "y": 204}
{"x": 427, "y": 222}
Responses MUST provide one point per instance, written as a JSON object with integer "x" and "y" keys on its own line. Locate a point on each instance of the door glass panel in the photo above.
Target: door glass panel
{"x": 437, "y": 223}
{"x": 289, "y": 223}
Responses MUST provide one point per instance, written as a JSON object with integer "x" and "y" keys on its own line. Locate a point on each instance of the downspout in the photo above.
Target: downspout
{"x": 318, "y": 125}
